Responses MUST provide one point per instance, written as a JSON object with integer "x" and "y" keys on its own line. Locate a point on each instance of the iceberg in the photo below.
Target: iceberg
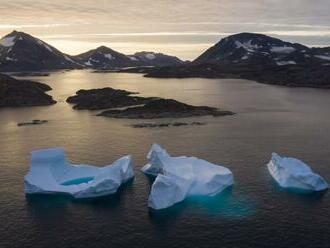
{"x": 50, "y": 173}
{"x": 180, "y": 177}
{"x": 295, "y": 174}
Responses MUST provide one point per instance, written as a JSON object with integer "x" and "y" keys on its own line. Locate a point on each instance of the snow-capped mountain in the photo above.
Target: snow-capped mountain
{"x": 106, "y": 58}
{"x": 22, "y": 52}
{"x": 155, "y": 59}
{"x": 260, "y": 49}
{"x": 103, "y": 58}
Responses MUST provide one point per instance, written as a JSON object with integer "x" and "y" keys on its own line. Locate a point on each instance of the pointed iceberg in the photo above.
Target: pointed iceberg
{"x": 50, "y": 173}
{"x": 295, "y": 174}
{"x": 180, "y": 177}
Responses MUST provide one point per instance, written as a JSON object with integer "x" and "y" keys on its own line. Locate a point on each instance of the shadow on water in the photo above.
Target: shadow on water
{"x": 228, "y": 204}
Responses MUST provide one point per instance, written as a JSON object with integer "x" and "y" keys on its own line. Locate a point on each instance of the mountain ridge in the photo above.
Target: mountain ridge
{"x": 20, "y": 51}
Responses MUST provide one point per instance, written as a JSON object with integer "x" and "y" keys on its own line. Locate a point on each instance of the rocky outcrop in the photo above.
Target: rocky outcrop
{"x": 23, "y": 93}
{"x": 105, "y": 98}
{"x": 164, "y": 108}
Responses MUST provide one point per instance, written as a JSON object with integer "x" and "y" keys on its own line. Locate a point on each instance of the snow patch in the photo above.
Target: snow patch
{"x": 280, "y": 63}
{"x": 109, "y": 56}
{"x": 68, "y": 59}
{"x": 150, "y": 56}
{"x": 247, "y": 45}
{"x": 44, "y": 45}
{"x": 133, "y": 58}
{"x": 10, "y": 59}
{"x": 8, "y": 41}
{"x": 284, "y": 49}
{"x": 322, "y": 57}
{"x": 88, "y": 63}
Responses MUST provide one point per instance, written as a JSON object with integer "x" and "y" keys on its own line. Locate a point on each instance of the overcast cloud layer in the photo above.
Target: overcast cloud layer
{"x": 184, "y": 28}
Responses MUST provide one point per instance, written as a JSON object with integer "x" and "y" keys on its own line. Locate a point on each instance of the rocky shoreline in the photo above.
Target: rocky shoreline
{"x": 167, "y": 124}
{"x": 312, "y": 75}
{"x": 23, "y": 93}
{"x": 164, "y": 108}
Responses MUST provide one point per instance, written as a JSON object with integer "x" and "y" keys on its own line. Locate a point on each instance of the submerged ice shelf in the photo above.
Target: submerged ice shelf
{"x": 180, "y": 177}
{"x": 50, "y": 173}
{"x": 295, "y": 174}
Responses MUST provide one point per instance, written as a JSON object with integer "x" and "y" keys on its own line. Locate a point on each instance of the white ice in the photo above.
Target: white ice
{"x": 293, "y": 173}
{"x": 180, "y": 177}
{"x": 50, "y": 173}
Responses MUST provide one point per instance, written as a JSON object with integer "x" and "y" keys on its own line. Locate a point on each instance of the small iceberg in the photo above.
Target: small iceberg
{"x": 295, "y": 174}
{"x": 180, "y": 177}
{"x": 50, "y": 173}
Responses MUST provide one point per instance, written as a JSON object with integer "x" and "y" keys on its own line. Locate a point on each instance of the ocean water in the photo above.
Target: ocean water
{"x": 255, "y": 212}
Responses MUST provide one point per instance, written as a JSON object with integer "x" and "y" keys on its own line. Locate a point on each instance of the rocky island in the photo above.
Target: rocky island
{"x": 105, "y": 98}
{"x": 125, "y": 104}
{"x": 23, "y": 93}
{"x": 164, "y": 108}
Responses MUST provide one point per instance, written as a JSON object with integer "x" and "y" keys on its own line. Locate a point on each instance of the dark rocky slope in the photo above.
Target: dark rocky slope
{"x": 22, "y": 52}
{"x": 23, "y": 93}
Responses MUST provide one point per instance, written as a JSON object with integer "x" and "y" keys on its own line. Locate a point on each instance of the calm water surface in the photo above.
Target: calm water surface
{"x": 253, "y": 213}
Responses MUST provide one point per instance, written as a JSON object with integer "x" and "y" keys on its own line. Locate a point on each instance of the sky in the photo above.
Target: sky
{"x": 184, "y": 28}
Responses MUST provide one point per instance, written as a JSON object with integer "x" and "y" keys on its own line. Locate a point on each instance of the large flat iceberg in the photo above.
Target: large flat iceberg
{"x": 180, "y": 177}
{"x": 50, "y": 173}
{"x": 295, "y": 174}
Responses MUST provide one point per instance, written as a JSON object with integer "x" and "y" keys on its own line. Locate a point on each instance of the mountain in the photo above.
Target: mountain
{"x": 155, "y": 59}
{"x": 250, "y": 48}
{"x": 103, "y": 58}
{"x": 106, "y": 58}
{"x": 23, "y": 93}
{"x": 257, "y": 57}
{"x": 22, "y": 52}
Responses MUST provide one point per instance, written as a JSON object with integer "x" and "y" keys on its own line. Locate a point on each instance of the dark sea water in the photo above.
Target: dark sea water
{"x": 255, "y": 212}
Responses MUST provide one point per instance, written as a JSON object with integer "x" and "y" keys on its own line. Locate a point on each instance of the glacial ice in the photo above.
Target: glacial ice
{"x": 50, "y": 173}
{"x": 180, "y": 177}
{"x": 295, "y": 174}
